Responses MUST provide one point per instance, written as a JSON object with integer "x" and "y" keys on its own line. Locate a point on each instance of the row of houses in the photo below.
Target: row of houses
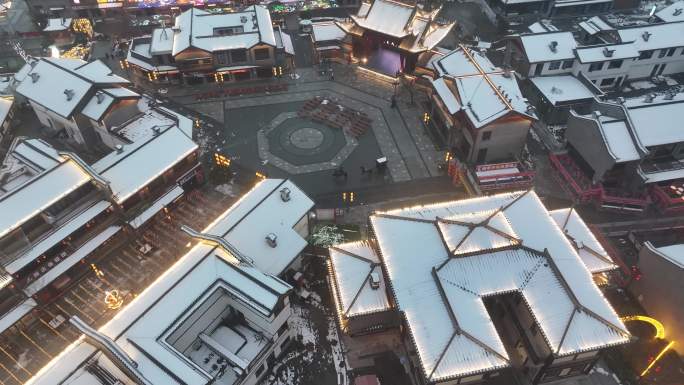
{"x": 622, "y": 153}
{"x": 57, "y": 208}
{"x": 217, "y": 316}
{"x": 205, "y": 46}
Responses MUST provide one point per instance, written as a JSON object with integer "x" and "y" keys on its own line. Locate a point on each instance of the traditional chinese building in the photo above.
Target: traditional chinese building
{"x": 387, "y": 35}
{"x": 481, "y": 287}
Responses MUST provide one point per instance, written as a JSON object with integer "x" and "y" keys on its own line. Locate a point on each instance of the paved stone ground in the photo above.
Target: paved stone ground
{"x": 397, "y": 133}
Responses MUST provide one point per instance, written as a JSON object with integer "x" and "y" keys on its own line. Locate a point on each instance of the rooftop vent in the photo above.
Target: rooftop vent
{"x": 677, "y": 12}
{"x": 285, "y": 194}
{"x": 646, "y": 35}
{"x": 608, "y": 52}
{"x": 553, "y": 46}
{"x": 119, "y": 148}
{"x": 374, "y": 280}
{"x": 272, "y": 240}
{"x": 649, "y": 98}
{"x": 156, "y": 130}
{"x": 69, "y": 93}
{"x": 243, "y": 19}
{"x": 100, "y": 97}
{"x": 621, "y": 100}
{"x": 34, "y": 77}
{"x": 596, "y": 114}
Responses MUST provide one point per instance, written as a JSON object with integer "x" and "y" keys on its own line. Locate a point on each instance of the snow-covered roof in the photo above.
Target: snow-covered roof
{"x": 590, "y": 250}
{"x": 540, "y": 27}
{"x": 654, "y": 36}
{"x": 352, "y": 265}
{"x": 161, "y": 41}
{"x": 446, "y": 95}
{"x": 41, "y": 190}
{"x": 616, "y": 136}
{"x": 483, "y": 91}
{"x": 653, "y": 121}
{"x": 606, "y": 52}
{"x": 327, "y": 31}
{"x": 284, "y": 41}
{"x": 417, "y": 28}
{"x": 97, "y": 105}
{"x": 671, "y": 13}
{"x": 595, "y": 25}
{"x": 57, "y": 235}
{"x": 549, "y": 46}
{"x": 673, "y": 253}
{"x": 386, "y": 16}
{"x": 442, "y": 259}
{"x": 6, "y": 103}
{"x": 261, "y": 212}
{"x": 61, "y": 85}
{"x": 137, "y": 328}
{"x": 562, "y": 88}
{"x": 200, "y": 29}
{"x": 57, "y": 24}
{"x": 158, "y": 142}
{"x": 654, "y": 176}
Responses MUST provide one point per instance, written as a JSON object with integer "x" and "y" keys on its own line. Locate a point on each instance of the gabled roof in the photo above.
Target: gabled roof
{"x": 590, "y": 250}
{"x": 481, "y": 90}
{"x": 196, "y": 28}
{"x": 158, "y": 142}
{"x": 137, "y": 328}
{"x": 55, "y": 177}
{"x": 606, "y": 52}
{"x": 417, "y": 28}
{"x": 673, "y": 253}
{"x": 563, "y": 88}
{"x": 652, "y": 121}
{"x": 263, "y": 211}
{"x": 327, "y": 31}
{"x": 354, "y": 295}
{"x": 595, "y": 25}
{"x": 654, "y": 36}
{"x": 65, "y": 85}
{"x": 671, "y": 13}
{"x": 516, "y": 247}
{"x": 548, "y": 46}
{"x": 161, "y": 41}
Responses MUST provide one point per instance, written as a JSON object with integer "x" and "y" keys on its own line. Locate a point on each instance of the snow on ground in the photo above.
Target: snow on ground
{"x": 339, "y": 358}
{"x": 301, "y": 324}
{"x": 228, "y": 189}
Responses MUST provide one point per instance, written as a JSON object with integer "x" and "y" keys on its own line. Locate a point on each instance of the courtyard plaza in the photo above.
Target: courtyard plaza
{"x": 264, "y": 132}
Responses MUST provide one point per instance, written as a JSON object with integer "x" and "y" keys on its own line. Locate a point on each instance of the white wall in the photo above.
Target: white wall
{"x": 107, "y": 138}
{"x": 548, "y": 72}
{"x": 55, "y": 122}
{"x": 597, "y": 76}
{"x": 643, "y": 68}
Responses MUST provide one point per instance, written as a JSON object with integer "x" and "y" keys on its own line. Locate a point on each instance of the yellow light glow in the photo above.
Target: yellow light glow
{"x": 660, "y": 329}
{"x": 659, "y": 356}
{"x": 113, "y": 299}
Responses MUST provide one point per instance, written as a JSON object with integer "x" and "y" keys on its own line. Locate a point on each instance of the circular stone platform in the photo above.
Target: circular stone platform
{"x": 298, "y": 145}
{"x": 307, "y": 138}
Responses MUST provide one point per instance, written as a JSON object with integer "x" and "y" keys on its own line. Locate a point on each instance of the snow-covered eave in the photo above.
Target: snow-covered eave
{"x": 656, "y": 251}
{"x": 360, "y": 22}
{"x": 578, "y": 306}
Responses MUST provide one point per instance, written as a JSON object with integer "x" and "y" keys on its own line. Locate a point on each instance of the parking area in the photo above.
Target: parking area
{"x": 114, "y": 278}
